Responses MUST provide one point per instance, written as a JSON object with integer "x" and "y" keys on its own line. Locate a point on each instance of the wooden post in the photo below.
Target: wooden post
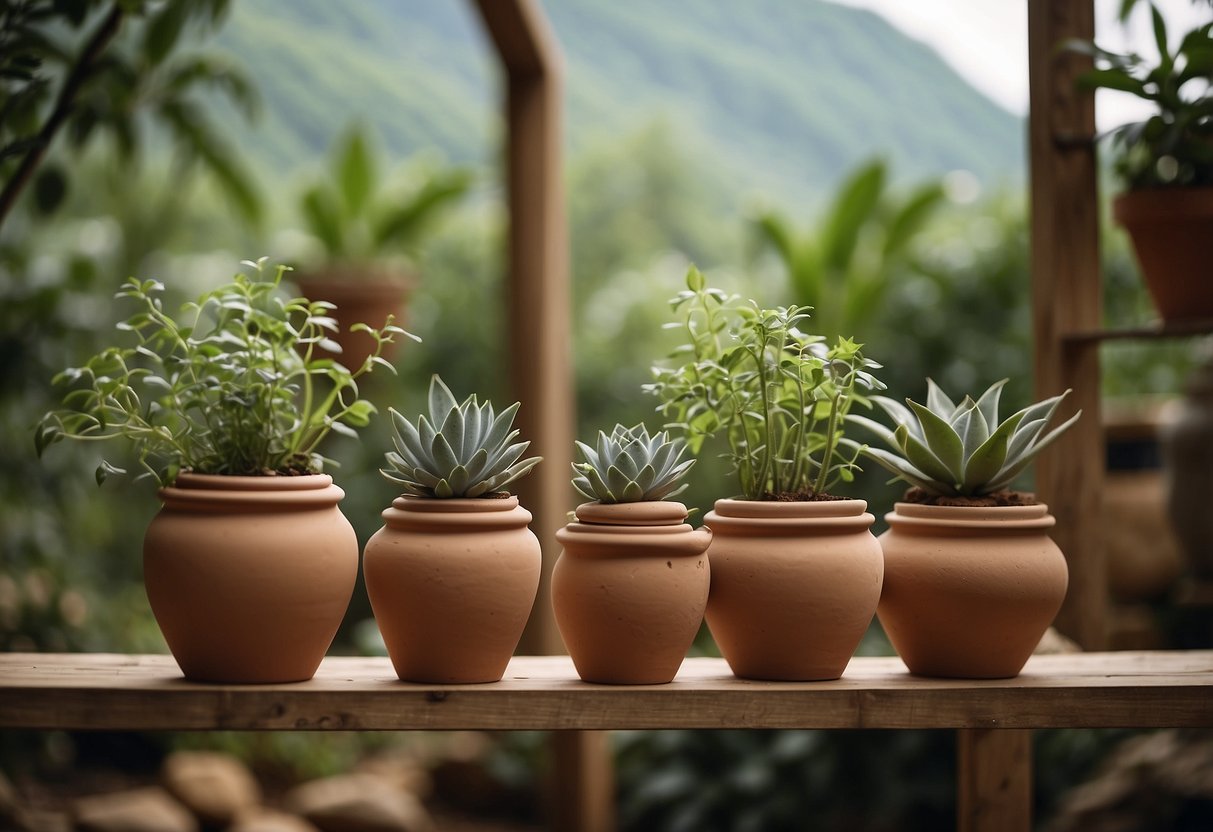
{"x": 1066, "y": 294}
{"x": 540, "y": 358}
{"x": 995, "y": 780}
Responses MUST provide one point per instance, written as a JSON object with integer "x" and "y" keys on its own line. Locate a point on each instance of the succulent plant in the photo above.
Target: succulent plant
{"x": 629, "y": 466}
{"x": 950, "y": 449}
{"x": 461, "y": 450}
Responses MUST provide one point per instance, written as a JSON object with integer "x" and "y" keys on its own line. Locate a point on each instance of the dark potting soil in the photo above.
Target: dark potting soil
{"x": 998, "y": 498}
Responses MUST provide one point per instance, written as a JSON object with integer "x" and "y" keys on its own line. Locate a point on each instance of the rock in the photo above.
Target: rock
{"x": 37, "y": 820}
{"x": 214, "y": 786}
{"x": 358, "y": 803}
{"x": 401, "y": 770}
{"x": 141, "y": 810}
{"x": 267, "y": 820}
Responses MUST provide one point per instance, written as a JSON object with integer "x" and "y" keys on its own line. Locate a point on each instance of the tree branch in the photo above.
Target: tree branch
{"x": 63, "y": 108}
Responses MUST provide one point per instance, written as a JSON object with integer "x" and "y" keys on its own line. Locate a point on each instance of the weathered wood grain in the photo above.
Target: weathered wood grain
{"x": 97, "y": 691}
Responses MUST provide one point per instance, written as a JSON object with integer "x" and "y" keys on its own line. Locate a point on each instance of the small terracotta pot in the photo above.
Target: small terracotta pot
{"x": 629, "y": 590}
{"x": 360, "y": 299}
{"x": 452, "y": 583}
{"x": 1172, "y": 233}
{"x": 969, "y": 591}
{"x": 249, "y": 577}
{"x": 794, "y": 586}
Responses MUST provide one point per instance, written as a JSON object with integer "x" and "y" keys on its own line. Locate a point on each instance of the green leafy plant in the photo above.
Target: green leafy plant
{"x": 1174, "y": 146}
{"x": 244, "y": 382}
{"x": 779, "y": 396}
{"x": 630, "y": 466}
{"x": 462, "y": 450}
{"x": 355, "y": 222}
{"x": 962, "y": 450}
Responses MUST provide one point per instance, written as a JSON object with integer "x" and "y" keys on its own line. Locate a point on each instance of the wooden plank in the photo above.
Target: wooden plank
{"x": 995, "y": 783}
{"x": 1066, "y": 294}
{"x": 1113, "y": 690}
{"x": 582, "y": 782}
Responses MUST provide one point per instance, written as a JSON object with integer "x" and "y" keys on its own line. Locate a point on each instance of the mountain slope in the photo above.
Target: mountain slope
{"x": 768, "y": 94}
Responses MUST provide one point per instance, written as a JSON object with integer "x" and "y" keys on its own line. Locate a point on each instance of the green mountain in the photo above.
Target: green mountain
{"x": 769, "y": 95}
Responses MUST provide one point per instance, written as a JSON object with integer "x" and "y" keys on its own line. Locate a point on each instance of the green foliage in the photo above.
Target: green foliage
{"x": 90, "y": 68}
{"x": 779, "y": 396}
{"x": 629, "y": 466}
{"x": 950, "y": 449}
{"x": 462, "y": 450}
{"x": 233, "y": 387}
{"x": 356, "y": 222}
{"x": 1173, "y": 147}
{"x": 851, "y": 254}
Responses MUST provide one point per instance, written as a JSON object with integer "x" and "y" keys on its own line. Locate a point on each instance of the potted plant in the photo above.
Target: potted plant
{"x": 249, "y": 565}
{"x": 454, "y": 571}
{"x": 630, "y": 586}
{"x": 972, "y": 580}
{"x": 368, "y": 235}
{"x": 1166, "y": 164}
{"x": 796, "y": 572}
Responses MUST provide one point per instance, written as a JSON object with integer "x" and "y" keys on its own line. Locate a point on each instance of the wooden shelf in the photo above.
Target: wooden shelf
{"x": 1153, "y": 331}
{"x": 1095, "y": 690}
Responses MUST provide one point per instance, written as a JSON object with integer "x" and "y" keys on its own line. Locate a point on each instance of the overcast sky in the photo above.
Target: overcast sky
{"x": 987, "y": 42}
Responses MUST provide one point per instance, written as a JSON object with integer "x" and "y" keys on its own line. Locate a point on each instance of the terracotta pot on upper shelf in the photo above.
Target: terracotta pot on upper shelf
{"x": 794, "y": 585}
{"x": 360, "y": 296}
{"x": 1172, "y": 234}
{"x": 629, "y": 590}
{"x": 969, "y": 591}
{"x": 249, "y": 577}
{"x": 452, "y": 583}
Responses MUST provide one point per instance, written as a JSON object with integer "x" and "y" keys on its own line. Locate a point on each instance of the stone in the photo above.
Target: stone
{"x": 268, "y": 820}
{"x": 358, "y": 803}
{"x": 214, "y": 786}
{"x": 149, "y": 809}
{"x": 401, "y": 770}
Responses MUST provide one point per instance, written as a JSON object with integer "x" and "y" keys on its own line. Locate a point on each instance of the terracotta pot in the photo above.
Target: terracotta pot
{"x": 794, "y": 586}
{"x": 360, "y": 298}
{"x": 1172, "y": 233}
{"x": 968, "y": 592}
{"x": 452, "y": 583}
{"x": 629, "y": 590}
{"x": 249, "y": 577}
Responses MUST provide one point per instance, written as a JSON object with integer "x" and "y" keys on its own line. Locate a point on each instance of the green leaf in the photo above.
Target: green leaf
{"x": 355, "y": 172}
{"x": 163, "y": 30}
{"x": 985, "y": 462}
{"x": 854, "y": 206}
{"x": 942, "y": 440}
{"x": 939, "y": 402}
{"x": 322, "y": 213}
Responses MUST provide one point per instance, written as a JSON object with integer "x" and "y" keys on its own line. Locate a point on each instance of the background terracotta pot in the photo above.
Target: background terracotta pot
{"x": 1172, "y": 233}
{"x": 249, "y": 577}
{"x": 452, "y": 583}
{"x": 968, "y": 592}
{"x": 629, "y": 590}
{"x": 794, "y": 586}
{"x": 360, "y": 298}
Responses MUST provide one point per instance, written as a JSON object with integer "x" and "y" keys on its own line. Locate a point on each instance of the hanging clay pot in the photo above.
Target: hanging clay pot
{"x": 969, "y": 591}
{"x": 452, "y": 583}
{"x": 360, "y": 296}
{"x": 629, "y": 590}
{"x": 249, "y": 577}
{"x": 794, "y": 585}
{"x": 1172, "y": 234}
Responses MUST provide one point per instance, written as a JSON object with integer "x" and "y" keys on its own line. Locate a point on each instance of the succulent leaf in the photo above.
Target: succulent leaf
{"x": 629, "y": 465}
{"x": 962, "y": 450}
{"x": 469, "y": 455}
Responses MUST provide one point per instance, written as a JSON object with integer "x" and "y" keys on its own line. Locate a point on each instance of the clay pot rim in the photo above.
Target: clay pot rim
{"x": 218, "y": 493}
{"x": 270, "y": 482}
{"x": 1161, "y": 205}
{"x": 972, "y": 517}
{"x": 645, "y": 514}
{"x": 454, "y": 505}
{"x": 736, "y": 507}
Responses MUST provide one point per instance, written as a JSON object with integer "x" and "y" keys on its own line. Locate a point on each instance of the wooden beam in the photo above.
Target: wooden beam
{"x": 995, "y": 780}
{"x": 1066, "y": 294}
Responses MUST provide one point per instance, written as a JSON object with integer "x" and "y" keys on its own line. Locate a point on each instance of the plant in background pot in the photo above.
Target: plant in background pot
{"x": 972, "y": 580}
{"x": 796, "y": 572}
{"x": 368, "y": 234}
{"x": 1166, "y": 163}
{"x": 454, "y": 571}
{"x": 249, "y": 566}
{"x": 631, "y": 584}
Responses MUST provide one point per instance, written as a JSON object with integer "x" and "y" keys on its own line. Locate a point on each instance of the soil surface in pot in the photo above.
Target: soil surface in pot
{"x": 998, "y": 498}
{"x": 802, "y": 496}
